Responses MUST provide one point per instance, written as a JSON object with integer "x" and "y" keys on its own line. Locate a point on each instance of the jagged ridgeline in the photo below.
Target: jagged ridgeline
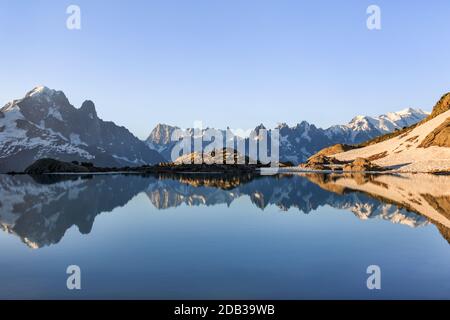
{"x": 303, "y": 140}
{"x": 44, "y": 124}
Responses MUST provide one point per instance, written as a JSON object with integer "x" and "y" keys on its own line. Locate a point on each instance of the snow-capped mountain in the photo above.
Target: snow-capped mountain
{"x": 302, "y": 141}
{"x": 363, "y": 128}
{"x": 160, "y": 139}
{"x": 424, "y": 147}
{"x": 45, "y": 124}
{"x": 299, "y": 142}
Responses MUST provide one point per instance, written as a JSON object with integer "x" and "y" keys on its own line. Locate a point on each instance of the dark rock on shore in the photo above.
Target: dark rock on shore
{"x": 44, "y": 166}
{"x": 48, "y": 165}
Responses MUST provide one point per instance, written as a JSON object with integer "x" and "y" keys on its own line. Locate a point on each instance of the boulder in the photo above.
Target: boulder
{"x": 362, "y": 164}
{"x": 320, "y": 162}
{"x": 439, "y": 137}
{"x": 334, "y": 149}
{"x": 48, "y": 165}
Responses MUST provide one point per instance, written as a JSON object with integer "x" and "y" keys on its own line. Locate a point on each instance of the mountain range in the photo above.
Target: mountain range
{"x": 44, "y": 124}
{"x": 299, "y": 142}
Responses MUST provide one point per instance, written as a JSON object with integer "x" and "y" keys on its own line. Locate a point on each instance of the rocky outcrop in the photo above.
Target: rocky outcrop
{"x": 334, "y": 149}
{"x": 47, "y": 165}
{"x": 223, "y": 156}
{"x": 439, "y": 137}
{"x": 441, "y": 106}
{"x": 322, "y": 162}
{"x": 361, "y": 165}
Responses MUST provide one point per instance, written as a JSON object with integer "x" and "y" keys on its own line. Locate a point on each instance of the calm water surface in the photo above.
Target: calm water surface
{"x": 288, "y": 236}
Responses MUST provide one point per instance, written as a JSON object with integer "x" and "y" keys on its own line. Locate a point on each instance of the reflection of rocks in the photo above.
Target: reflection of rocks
{"x": 440, "y": 204}
{"x": 168, "y": 192}
{"x": 425, "y": 194}
{"x": 444, "y": 231}
{"x": 284, "y": 191}
{"x": 221, "y": 181}
{"x": 40, "y": 209}
{"x": 388, "y": 212}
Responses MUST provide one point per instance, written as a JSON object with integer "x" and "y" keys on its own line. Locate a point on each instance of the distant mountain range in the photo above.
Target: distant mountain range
{"x": 299, "y": 142}
{"x": 45, "y": 124}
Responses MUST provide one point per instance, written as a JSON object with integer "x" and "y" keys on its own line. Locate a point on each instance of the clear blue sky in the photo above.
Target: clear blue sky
{"x": 228, "y": 62}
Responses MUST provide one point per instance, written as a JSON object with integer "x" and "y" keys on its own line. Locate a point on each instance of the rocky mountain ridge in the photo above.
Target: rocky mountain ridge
{"x": 299, "y": 142}
{"x": 45, "y": 124}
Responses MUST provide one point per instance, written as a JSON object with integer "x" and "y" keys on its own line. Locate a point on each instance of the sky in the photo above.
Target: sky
{"x": 233, "y": 63}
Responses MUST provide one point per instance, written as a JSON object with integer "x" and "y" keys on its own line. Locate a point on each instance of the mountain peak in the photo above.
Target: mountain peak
{"x": 259, "y": 127}
{"x": 161, "y": 134}
{"x": 407, "y": 110}
{"x": 88, "y": 107}
{"x": 357, "y": 119}
{"x": 441, "y": 106}
{"x": 40, "y": 90}
{"x": 406, "y": 113}
{"x": 282, "y": 125}
{"x": 51, "y": 127}
{"x": 163, "y": 126}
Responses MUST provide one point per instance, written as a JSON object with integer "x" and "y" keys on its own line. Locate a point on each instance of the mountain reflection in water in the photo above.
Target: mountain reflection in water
{"x": 41, "y": 209}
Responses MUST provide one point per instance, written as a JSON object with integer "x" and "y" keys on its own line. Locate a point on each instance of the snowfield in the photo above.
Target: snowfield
{"x": 402, "y": 152}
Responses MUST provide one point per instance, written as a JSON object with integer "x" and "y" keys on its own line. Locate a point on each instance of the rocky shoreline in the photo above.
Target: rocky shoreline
{"x": 319, "y": 163}
{"x": 53, "y": 166}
